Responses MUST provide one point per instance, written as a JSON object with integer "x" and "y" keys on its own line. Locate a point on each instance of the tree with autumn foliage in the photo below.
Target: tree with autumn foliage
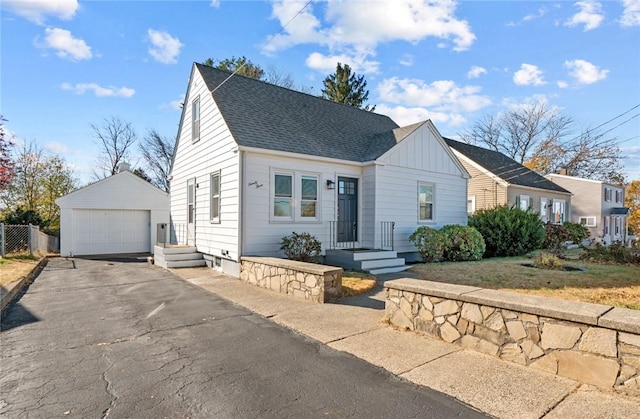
{"x": 6, "y": 165}
{"x": 542, "y": 138}
{"x": 632, "y": 201}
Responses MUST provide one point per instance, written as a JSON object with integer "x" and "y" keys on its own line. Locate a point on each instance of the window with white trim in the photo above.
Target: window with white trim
{"x": 195, "y": 119}
{"x": 587, "y": 221}
{"x": 425, "y": 201}
{"x": 524, "y": 202}
{"x": 607, "y": 194}
{"x": 618, "y": 196}
{"x": 214, "y": 202}
{"x": 295, "y": 196}
{"x": 558, "y": 211}
{"x": 607, "y": 221}
{"x": 543, "y": 210}
{"x": 471, "y": 204}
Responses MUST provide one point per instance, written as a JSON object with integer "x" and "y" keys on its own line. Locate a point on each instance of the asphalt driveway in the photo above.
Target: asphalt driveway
{"x": 119, "y": 338}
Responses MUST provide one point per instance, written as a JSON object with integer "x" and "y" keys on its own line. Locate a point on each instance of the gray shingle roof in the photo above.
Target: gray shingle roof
{"x": 266, "y": 116}
{"x": 504, "y": 167}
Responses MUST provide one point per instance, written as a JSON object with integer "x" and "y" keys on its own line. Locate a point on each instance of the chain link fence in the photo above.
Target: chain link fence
{"x": 26, "y": 238}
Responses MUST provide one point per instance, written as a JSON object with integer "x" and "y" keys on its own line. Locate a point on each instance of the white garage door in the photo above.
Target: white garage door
{"x": 99, "y": 232}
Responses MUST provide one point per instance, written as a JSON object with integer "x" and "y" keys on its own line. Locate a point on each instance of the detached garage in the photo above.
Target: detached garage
{"x": 118, "y": 214}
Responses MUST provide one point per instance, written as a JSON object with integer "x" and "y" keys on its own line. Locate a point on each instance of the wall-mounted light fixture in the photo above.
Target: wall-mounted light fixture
{"x": 331, "y": 184}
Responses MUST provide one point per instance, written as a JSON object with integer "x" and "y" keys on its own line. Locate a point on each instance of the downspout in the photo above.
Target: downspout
{"x": 241, "y": 175}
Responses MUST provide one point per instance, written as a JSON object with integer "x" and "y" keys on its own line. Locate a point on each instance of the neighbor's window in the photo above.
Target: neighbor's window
{"x": 618, "y": 196}
{"x": 607, "y": 194}
{"x": 283, "y": 196}
{"x": 425, "y": 201}
{"x": 195, "y": 119}
{"x": 559, "y": 211}
{"x": 524, "y": 202}
{"x": 618, "y": 223}
{"x": 471, "y": 204}
{"x": 309, "y": 201}
{"x": 215, "y": 198}
{"x": 607, "y": 221}
{"x": 543, "y": 210}
{"x": 588, "y": 221}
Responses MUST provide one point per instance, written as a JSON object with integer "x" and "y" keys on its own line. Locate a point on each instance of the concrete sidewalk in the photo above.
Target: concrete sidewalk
{"x": 354, "y": 325}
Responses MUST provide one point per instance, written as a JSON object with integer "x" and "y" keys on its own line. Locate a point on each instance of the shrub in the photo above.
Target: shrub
{"x": 430, "y": 243}
{"x": 303, "y": 247}
{"x": 463, "y": 243}
{"x": 545, "y": 260}
{"x": 508, "y": 231}
{"x": 616, "y": 253}
{"x": 577, "y": 231}
{"x": 555, "y": 237}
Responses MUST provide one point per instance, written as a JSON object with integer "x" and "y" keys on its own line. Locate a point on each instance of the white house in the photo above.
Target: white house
{"x": 255, "y": 162}
{"x": 118, "y": 214}
{"x": 597, "y": 205}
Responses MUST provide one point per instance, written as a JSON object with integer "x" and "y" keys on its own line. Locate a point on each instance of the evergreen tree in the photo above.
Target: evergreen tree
{"x": 346, "y": 87}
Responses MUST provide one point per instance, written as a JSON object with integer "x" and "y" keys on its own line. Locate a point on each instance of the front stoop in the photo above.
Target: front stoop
{"x": 178, "y": 257}
{"x": 374, "y": 261}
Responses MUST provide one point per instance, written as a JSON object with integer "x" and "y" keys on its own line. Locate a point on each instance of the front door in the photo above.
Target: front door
{"x": 347, "y": 210}
{"x": 191, "y": 212}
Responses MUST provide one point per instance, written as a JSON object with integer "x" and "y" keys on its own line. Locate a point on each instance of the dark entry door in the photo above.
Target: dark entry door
{"x": 347, "y": 209}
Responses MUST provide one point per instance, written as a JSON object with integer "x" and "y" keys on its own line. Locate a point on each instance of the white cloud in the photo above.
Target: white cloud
{"x": 66, "y": 45}
{"x": 406, "y": 60}
{"x": 164, "y": 48}
{"x": 37, "y": 11}
{"x": 585, "y": 72}
{"x": 590, "y": 15}
{"x": 404, "y": 116}
{"x": 215, "y": 3}
{"x": 354, "y": 29}
{"x": 327, "y": 63}
{"x": 174, "y": 104}
{"x": 476, "y": 71}
{"x": 562, "y": 84}
{"x": 99, "y": 91}
{"x": 631, "y": 13}
{"x": 56, "y": 147}
{"x": 541, "y": 12}
{"x": 528, "y": 74}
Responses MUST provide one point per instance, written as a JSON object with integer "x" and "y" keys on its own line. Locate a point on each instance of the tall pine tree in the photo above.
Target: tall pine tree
{"x": 346, "y": 87}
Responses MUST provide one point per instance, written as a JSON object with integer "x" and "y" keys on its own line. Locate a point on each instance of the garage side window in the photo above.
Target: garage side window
{"x": 215, "y": 197}
{"x": 425, "y": 201}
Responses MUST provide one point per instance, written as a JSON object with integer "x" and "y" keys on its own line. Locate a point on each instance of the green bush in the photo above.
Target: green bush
{"x": 463, "y": 243}
{"x": 555, "y": 237}
{"x": 430, "y": 243}
{"x": 508, "y": 231}
{"x": 616, "y": 253}
{"x": 546, "y": 260}
{"x": 578, "y": 232}
{"x": 303, "y": 247}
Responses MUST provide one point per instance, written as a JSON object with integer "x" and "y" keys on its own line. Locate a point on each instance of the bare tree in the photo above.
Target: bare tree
{"x": 157, "y": 152}
{"x": 274, "y": 76}
{"x": 536, "y": 136}
{"x": 115, "y": 137}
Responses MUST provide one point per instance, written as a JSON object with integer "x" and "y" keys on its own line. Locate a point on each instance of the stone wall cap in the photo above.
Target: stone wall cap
{"x": 308, "y": 267}
{"x": 576, "y": 311}
{"x": 624, "y": 319}
{"x": 436, "y": 289}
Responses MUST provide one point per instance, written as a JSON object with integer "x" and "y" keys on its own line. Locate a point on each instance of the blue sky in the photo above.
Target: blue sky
{"x": 67, "y": 64}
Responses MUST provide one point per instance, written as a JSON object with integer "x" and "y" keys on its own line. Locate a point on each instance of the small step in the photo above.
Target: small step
{"x": 182, "y": 256}
{"x": 367, "y": 265}
{"x": 186, "y": 263}
{"x": 375, "y": 254}
{"x": 177, "y": 249}
{"x": 389, "y": 270}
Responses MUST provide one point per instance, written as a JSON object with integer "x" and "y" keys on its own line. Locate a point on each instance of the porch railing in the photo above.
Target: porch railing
{"x": 343, "y": 234}
{"x": 387, "y": 229}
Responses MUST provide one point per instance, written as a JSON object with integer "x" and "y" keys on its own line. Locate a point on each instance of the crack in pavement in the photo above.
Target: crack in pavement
{"x": 108, "y": 386}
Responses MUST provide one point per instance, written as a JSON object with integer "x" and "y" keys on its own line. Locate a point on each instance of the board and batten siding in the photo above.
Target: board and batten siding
{"x": 261, "y": 234}
{"x": 215, "y": 151}
{"x": 421, "y": 157}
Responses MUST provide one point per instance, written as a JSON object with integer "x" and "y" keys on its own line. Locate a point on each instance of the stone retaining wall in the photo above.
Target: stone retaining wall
{"x": 590, "y": 343}
{"x": 308, "y": 281}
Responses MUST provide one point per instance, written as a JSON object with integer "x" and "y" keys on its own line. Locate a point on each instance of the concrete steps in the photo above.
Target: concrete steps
{"x": 373, "y": 261}
{"x": 178, "y": 257}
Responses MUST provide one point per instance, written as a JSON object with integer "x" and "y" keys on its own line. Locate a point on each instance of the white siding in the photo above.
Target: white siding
{"x": 215, "y": 151}
{"x": 261, "y": 235}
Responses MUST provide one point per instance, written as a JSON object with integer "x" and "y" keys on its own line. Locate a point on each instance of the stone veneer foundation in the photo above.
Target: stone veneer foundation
{"x": 308, "y": 281}
{"x": 590, "y": 343}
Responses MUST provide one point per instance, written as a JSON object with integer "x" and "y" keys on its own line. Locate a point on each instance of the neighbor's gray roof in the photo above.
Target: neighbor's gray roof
{"x": 266, "y": 116}
{"x": 504, "y": 167}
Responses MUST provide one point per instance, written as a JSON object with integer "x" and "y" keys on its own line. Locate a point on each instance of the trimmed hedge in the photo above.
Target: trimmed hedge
{"x": 452, "y": 242}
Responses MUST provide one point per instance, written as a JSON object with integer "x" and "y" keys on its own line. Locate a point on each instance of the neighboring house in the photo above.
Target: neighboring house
{"x": 597, "y": 205}
{"x": 118, "y": 214}
{"x": 499, "y": 180}
{"x": 255, "y": 162}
